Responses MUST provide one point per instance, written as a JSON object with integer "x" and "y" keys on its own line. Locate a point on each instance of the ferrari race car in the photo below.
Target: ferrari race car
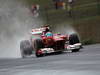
{"x": 40, "y": 44}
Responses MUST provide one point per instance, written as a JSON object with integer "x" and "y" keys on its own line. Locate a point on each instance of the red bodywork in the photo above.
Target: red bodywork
{"x": 57, "y": 41}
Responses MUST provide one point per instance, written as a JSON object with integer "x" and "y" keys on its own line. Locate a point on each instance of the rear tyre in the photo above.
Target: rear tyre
{"x": 73, "y": 39}
{"x": 25, "y": 48}
{"x": 38, "y": 44}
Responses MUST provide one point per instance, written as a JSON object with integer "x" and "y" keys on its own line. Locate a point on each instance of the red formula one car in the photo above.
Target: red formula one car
{"x": 42, "y": 44}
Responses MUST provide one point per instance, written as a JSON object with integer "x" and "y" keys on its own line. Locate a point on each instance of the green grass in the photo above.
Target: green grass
{"x": 89, "y": 29}
{"x": 82, "y": 2}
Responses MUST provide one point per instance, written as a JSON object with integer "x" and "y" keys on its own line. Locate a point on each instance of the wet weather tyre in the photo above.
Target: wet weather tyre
{"x": 73, "y": 39}
{"x": 25, "y": 48}
{"x": 38, "y": 44}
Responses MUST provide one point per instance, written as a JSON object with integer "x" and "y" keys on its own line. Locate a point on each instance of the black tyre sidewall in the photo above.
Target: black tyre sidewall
{"x": 73, "y": 39}
{"x": 38, "y": 44}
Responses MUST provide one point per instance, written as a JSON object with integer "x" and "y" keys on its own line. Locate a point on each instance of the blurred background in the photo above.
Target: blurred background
{"x": 82, "y": 16}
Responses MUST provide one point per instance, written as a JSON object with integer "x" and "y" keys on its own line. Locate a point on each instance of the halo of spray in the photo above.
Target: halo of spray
{"x": 16, "y": 22}
{"x": 65, "y": 28}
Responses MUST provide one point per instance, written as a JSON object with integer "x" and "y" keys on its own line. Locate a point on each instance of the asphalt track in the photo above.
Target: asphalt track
{"x": 85, "y": 62}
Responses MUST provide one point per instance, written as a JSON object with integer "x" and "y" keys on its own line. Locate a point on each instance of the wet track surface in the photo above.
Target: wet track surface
{"x": 87, "y": 62}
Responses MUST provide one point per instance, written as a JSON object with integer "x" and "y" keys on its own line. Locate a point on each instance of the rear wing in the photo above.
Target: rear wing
{"x": 37, "y": 31}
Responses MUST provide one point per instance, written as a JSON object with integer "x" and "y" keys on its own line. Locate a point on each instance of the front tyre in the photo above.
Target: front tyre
{"x": 73, "y": 39}
{"x": 38, "y": 44}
